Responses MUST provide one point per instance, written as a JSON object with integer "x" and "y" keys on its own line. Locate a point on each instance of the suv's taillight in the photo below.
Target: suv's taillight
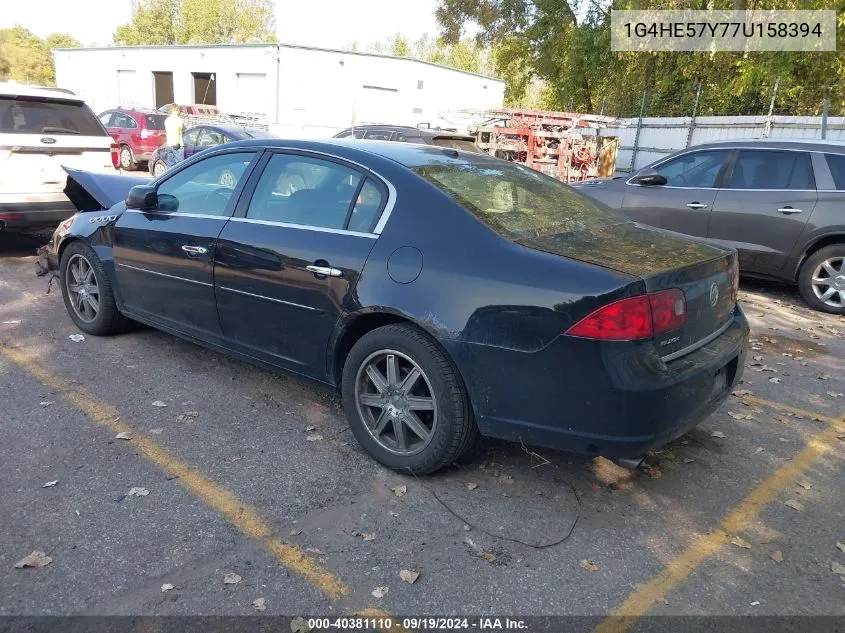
{"x": 145, "y": 133}
{"x": 634, "y": 318}
{"x": 114, "y": 148}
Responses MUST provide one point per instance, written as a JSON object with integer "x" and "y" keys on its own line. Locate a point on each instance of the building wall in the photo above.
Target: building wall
{"x": 319, "y": 91}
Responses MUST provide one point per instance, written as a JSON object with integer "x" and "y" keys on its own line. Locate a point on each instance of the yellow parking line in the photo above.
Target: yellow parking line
{"x": 644, "y": 596}
{"x": 794, "y": 410}
{"x": 244, "y": 517}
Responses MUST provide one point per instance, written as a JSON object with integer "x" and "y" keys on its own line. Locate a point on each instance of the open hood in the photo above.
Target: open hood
{"x": 95, "y": 191}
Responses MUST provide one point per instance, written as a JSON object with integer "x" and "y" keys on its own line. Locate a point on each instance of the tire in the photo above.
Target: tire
{"x": 449, "y": 421}
{"x": 127, "y": 159}
{"x": 106, "y": 319}
{"x": 160, "y": 167}
{"x": 834, "y": 257}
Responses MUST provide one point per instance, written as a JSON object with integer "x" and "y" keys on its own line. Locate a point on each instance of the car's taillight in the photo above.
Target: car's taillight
{"x": 114, "y": 148}
{"x": 734, "y": 281}
{"x": 145, "y": 133}
{"x": 634, "y": 318}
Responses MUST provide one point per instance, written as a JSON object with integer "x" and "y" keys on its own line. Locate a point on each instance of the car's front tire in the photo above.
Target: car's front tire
{"x": 127, "y": 159}
{"x": 405, "y": 402}
{"x": 87, "y": 292}
{"x": 821, "y": 279}
{"x": 159, "y": 167}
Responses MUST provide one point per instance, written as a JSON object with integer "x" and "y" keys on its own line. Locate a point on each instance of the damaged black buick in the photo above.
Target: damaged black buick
{"x": 445, "y": 294}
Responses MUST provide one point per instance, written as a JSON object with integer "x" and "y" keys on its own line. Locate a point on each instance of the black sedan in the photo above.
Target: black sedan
{"x": 444, "y": 293}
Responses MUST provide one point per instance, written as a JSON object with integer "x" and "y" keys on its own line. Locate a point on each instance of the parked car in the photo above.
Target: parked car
{"x": 778, "y": 202}
{"x": 444, "y": 293}
{"x": 193, "y": 109}
{"x": 138, "y": 132}
{"x": 41, "y": 130}
{"x": 200, "y": 137}
{"x": 406, "y": 134}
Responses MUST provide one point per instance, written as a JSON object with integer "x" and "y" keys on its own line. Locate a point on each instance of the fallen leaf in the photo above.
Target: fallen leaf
{"x": 795, "y": 505}
{"x": 380, "y": 592}
{"x": 299, "y": 625}
{"x": 741, "y": 392}
{"x": 589, "y": 565}
{"x": 187, "y": 416}
{"x": 166, "y": 587}
{"x": 663, "y": 600}
{"x": 125, "y": 435}
{"x": 471, "y": 486}
{"x": 775, "y": 380}
{"x": 777, "y": 556}
{"x": 409, "y": 576}
{"x": 806, "y": 485}
{"x": 717, "y": 434}
{"x": 688, "y": 460}
{"x": 834, "y": 394}
{"x": 400, "y": 490}
{"x": 490, "y": 557}
{"x": 652, "y": 471}
{"x": 740, "y": 416}
{"x": 759, "y": 449}
{"x": 835, "y": 567}
{"x": 823, "y": 376}
{"x": 369, "y": 536}
{"x": 740, "y": 542}
{"x": 840, "y": 546}
{"x": 36, "y": 560}
{"x": 159, "y": 403}
{"x": 50, "y": 484}
{"x": 46, "y": 403}
{"x": 231, "y": 578}
{"x": 755, "y": 603}
{"x": 259, "y": 604}
{"x": 156, "y": 431}
{"x": 310, "y": 427}
{"x": 506, "y": 479}
{"x": 137, "y": 492}
{"x": 314, "y": 438}
{"x": 76, "y": 338}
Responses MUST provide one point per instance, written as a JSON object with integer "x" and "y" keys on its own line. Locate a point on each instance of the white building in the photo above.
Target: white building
{"x": 303, "y": 90}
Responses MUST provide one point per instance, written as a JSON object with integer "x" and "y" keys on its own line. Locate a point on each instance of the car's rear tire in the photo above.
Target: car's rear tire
{"x": 434, "y": 401}
{"x": 127, "y": 159}
{"x": 159, "y": 168}
{"x": 821, "y": 279}
{"x": 87, "y": 292}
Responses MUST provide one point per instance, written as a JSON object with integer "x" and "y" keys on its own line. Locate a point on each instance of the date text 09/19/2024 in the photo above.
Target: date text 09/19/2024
{"x": 417, "y": 624}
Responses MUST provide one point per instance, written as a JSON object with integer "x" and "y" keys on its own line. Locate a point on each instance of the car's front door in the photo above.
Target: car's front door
{"x": 286, "y": 265}
{"x": 684, "y": 203}
{"x": 768, "y": 196}
{"x": 164, "y": 258}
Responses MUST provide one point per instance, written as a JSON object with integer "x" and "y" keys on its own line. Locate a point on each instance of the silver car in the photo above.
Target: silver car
{"x": 780, "y": 203}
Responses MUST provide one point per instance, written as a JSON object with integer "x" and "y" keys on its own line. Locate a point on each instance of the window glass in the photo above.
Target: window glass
{"x": 210, "y": 138}
{"x": 304, "y": 190}
{"x": 19, "y": 116}
{"x": 518, "y": 202}
{"x": 358, "y": 133}
{"x": 697, "y": 169}
{"x": 127, "y": 121}
{"x": 755, "y": 169}
{"x": 204, "y": 187}
{"x": 190, "y": 137}
{"x": 836, "y": 163}
{"x": 367, "y": 206}
{"x": 457, "y": 143}
{"x": 105, "y": 119}
{"x": 155, "y": 121}
{"x": 378, "y": 135}
{"x": 344, "y": 134}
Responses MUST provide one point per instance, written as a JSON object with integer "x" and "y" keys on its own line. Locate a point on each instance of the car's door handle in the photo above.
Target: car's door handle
{"x": 328, "y": 271}
{"x": 697, "y": 205}
{"x": 789, "y": 210}
{"x": 194, "y": 250}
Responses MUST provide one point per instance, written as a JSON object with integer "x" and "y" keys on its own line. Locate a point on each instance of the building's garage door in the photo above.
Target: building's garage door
{"x": 252, "y": 94}
{"x": 378, "y": 104}
{"x": 127, "y": 88}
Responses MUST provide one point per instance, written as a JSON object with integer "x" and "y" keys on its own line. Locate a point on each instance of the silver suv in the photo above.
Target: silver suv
{"x": 780, "y": 203}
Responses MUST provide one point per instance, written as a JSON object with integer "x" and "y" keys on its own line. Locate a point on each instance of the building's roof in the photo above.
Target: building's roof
{"x": 280, "y": 45}
{"x": 22, "y": 90}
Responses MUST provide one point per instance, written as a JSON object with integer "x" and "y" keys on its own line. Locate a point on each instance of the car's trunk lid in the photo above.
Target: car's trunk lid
{"x": 662, "y": 260}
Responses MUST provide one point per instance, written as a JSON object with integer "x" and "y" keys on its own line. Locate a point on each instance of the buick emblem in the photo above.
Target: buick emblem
{"x": 714, "y": 295}
{"x": 49, "y": 140}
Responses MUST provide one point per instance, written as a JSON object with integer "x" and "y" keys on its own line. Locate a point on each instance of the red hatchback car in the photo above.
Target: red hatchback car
{"x": 138, "y": 132}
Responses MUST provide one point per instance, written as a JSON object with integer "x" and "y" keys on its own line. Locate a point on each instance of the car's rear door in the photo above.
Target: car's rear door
{"x": 762, "y": 209}
{"x": 164, "y": 258}
{"x": 286, "y": 265}
{"x": 684, "y": 203}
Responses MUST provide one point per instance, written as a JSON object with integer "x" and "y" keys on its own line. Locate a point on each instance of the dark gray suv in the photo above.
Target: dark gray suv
{"x": 780, "y": 203}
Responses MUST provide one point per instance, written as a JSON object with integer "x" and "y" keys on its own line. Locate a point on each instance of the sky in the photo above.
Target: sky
{"x": 324, "y": 23}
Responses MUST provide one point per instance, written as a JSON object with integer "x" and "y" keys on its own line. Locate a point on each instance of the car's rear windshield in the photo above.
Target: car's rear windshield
{"x": 155, "y": 121}
{"x": 45, "y": 116}
{"x": 518, "y": 202}
{"x": 456, "y": 143}
{"x": 255, "y": 133}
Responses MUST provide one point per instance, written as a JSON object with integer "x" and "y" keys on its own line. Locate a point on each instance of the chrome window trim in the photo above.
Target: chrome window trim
{"x": 266, "y": 298}
{"x": 153, "y": 272}
{"x": 205, "y": 216}
{"x": 700, "y": 343}
{"x": 305, "y": 227}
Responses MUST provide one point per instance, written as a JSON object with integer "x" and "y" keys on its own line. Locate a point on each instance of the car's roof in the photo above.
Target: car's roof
{"x": 232, "y": 130}
{"x": 137, "y": 110}
{"x": 9, "y": 89}
{"x": 807, "y": 144}
{"x": 417, "y": 131}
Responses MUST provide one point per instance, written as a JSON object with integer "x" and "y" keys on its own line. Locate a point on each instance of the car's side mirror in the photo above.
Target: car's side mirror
{"x": 142, "y": 198}
{"x": 649, "y": 178}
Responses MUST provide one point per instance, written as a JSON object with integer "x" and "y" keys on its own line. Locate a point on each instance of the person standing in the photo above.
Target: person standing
{"x": 173, "y": 132}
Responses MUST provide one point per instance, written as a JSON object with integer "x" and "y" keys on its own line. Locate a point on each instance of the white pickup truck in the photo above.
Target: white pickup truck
{"x": 42, "y": 130}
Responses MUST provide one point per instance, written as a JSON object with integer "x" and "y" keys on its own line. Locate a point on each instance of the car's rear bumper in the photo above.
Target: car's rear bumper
{"x": 34, "y": 211}
{"x": 602, "y": 398}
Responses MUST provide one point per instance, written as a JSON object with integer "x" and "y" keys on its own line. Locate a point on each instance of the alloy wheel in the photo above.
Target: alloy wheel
{"x": 126, "y": 158}
{"x": 158, "y": 169}
{"x": 82, "y": 288}
{"x": 829, "y": 282}
{"x": 395, "y": 400}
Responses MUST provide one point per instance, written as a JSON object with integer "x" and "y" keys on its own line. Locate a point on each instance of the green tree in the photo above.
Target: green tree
{"x": 199, "y": 22}
{"x": 26, "y": 58}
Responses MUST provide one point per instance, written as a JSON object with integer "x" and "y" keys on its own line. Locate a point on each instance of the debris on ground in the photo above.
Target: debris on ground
{"x": 187, "y": 416}
{"x": 260, "y": 604}
{"x": 299, "y": 625}
{"x": 137, "y": 492}
{"x": 409, "y": 576}
{"x": 400, "y": 490}
{"x": 490, "y": 557}
{"x": 124, "y": 435}
{"x": 840, "y": 546}
{"x": 795, "y": 505}
{"x": 740, "y": 542}
{"x": 314, "y": 438}
{"x": 471, "y": 486}
{"x": 717, "y": 434}
{"x": 823, "y": 376}
{"x": 167, "y": 587}
{"x": 589, "y": 565}
{"x": 740, "y": 416}
{"x": 506, "y": 479}
{"x": 777, "y": 556}
{"x": 159, "y": 403}
{"x": 156, "y": 431}
{"x": 36, "y": 560}
{"x": 77, "y": 338}
{"x": 836, "y": 568}
{"x": 652, "y": 471}
{"x": 380, "y": 592}
{"x": 834, "y": 394}
{"x": 231, "y": 578}
{"x": 46, "y": 403}
{"x": 806, "y": 485}
{"x": 295, "y": 532}
{"x": 310, "y": 427}
{"x": 369, "y": 536}
{"x": 50, "y": 484}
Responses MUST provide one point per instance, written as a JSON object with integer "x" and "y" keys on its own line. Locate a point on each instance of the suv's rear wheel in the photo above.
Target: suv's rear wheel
{"x": 822, "y": 279}
{"x": 405, "y": 402}
{"x": 127, "y": 159}
{"x": 87, "y": 292}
